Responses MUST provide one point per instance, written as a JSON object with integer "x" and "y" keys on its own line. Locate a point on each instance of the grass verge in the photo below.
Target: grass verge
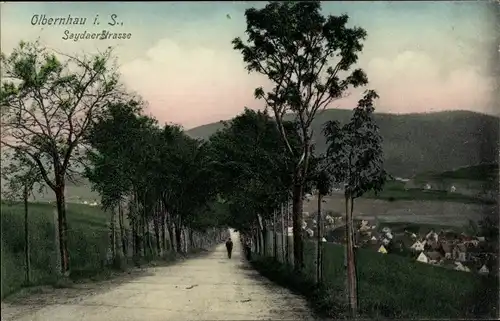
{"x": 389, "y": 286}
{"x": 320, "y": 298}
{"x": 396, "y": 191}
{"x": 88, "y": 243}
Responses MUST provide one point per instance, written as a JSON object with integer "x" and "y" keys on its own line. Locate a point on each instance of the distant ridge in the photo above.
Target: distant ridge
{"x": 418, "y": 142}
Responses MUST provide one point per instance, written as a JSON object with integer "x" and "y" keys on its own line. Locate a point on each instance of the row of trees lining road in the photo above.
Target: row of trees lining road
{"x": 64, "y": 117}
{"x": 309, "y": 59}
{"x": 66, "y": 114}
{"x": 165, "y": 177}
{"x": 256, "y": 176}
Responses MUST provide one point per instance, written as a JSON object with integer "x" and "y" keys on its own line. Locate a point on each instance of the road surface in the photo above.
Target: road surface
{"x": 211, "y": 287}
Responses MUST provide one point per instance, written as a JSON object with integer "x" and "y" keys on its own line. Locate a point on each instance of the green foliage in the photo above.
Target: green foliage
{"x": 22, "y": 175}
{"x": 116, "y": 140}
{"x": 254, "y": 172}
{"x": 309, "y": 59}
{"x": 302, "y": 53}
{"x": 323, "y": 183}
{"x": 354, "y": 155}
{"x": 49, "y": 101}
{"x": 134, "y": 158}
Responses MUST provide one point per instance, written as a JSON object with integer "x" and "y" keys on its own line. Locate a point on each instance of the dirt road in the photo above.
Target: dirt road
{"x": 211, "y": 287}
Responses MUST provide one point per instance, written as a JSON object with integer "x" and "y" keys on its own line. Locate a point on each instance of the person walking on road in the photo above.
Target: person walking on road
{"x": 229, "y": 247}
{"x": 248, "y": 247}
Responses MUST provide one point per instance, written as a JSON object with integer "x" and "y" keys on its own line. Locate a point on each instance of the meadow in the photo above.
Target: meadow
{"x": 397, "y": 191}
{"x": 420, "y": 211}
{"x": 87, "y": 237}
{"x": 389, "y": 286}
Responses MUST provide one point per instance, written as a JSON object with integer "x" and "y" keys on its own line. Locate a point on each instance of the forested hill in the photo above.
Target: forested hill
{"x": 415, "y": 143}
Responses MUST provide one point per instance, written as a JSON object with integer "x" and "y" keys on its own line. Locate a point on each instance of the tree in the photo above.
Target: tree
{"x": 308, "y": 59}
{"x": 254, "y": 173}
{"x": 112, "y": 158}
{"x": 323, "y": 186}
{"x": 355, "y": 157}
{"x": 22, "y": 175}
{"x": 164, "y": 173}
{"x": 192, "y": 186}
{"x": 47, "y": 106}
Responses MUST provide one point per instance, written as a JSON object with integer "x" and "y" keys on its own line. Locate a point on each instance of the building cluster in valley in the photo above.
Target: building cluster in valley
{"x": 448, "y": 249}
{"x": 444, "y": 248}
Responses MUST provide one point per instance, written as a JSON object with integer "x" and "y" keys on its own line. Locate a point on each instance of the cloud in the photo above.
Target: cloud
{"x": 191, "y": 85}
{"x": 414, "y": 81}
{"x": 194, "y": 85}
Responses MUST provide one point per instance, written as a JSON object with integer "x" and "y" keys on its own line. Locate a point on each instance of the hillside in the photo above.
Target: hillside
{"x": 416, "y": 143}
{"x": 482, "y": 172}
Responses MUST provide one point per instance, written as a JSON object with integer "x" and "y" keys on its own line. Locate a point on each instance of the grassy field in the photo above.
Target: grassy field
{"x": 397, "y": 287}
{"x": 429, "y": 212}
{"x": 88, "y": 242}
{"x": 482, "y": 172}
{"x": 395, "y": 191}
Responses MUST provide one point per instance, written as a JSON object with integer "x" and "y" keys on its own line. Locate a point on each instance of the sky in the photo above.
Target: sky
{"x": 419, "y": 56}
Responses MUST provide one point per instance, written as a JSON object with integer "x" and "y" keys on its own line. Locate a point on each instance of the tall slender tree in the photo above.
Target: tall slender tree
{"x": 355, "y": 157}
{"x": 308, "y": 59}
{"x": 23, "y": 176}
{"x": 323, "y": 188}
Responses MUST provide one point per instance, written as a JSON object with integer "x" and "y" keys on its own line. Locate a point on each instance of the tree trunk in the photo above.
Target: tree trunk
{"x": 184, "y": 240}
{"x": 287, "y": 240}
{"x": 122, "y": 230}
{"x": 163, "y": 232}
{"x": 257, "y": 239}
{"x": 62, "y": 228}
{"x": 275, "y": 238}
{"x": 264, "y": 238}
{"x": 282, "y": 233}
{"x": 178, "y": 236}
{"x": 319, "y": 259}
{"x": 113, "y": 234}
{"x": 351, "y": 267}
{"x": 148, "y": 245}
{"x": 156, "y": 225}
{"x": 144, "y": 240}
{"x": 149, "y": 237}
{"x": 191, "y": 238}
{"x": 258, "y": 242}
{"x": 171, "y": 232}
{"x": 134, "y": 238}
{"x": 298, "y": 253}
{"x": 26, "y": 236}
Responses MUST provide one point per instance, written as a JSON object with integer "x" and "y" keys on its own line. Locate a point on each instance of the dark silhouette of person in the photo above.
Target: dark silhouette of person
{"x": 248, "y": 248}
{"x": 229, "y": 247}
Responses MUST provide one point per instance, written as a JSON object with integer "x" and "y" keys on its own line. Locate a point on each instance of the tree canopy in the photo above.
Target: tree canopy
{"x": 255, "y": 172}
